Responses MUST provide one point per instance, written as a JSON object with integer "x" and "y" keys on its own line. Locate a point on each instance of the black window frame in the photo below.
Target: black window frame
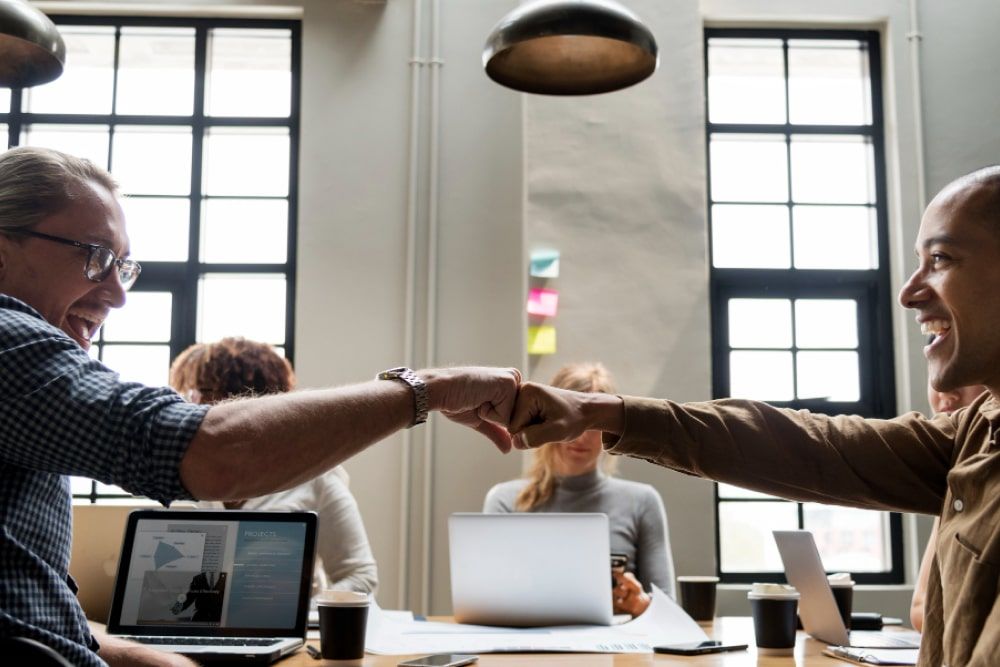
{"x": 870, "y": 288}
{"x": 181, "y": 278}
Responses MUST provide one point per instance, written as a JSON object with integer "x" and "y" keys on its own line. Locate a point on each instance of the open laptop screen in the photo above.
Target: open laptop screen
{"x": 214, "y": 573}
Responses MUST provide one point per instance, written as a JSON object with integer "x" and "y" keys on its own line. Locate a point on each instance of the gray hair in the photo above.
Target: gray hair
{"x": 38, "y": 182}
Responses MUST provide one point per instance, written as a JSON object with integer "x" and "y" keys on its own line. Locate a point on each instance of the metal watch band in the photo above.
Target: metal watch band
{"x": 421, "y": 401}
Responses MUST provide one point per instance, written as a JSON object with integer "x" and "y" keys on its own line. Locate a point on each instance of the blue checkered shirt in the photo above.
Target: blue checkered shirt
{"x": 62, "y": 413}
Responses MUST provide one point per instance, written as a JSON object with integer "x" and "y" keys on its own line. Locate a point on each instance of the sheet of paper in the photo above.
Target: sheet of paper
{"x": 663, "y": 623}
{"x": 542, "y": 340}
{"x": 545, "y": 264}
{"x": 543, "y": 302}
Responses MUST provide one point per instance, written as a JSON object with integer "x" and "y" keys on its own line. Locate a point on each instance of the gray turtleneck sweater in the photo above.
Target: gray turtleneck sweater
{"x": 635, "y": 512}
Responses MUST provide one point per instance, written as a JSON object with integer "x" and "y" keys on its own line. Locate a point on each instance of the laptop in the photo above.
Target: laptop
{"x": 817, "y": 607}
{"x": 530, "y": 569}
{"x": 215, "y": 585}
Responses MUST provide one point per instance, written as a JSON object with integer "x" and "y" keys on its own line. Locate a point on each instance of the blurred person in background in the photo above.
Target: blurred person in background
{"x": 576, "y": 476}
{"x": 207, "y": 373}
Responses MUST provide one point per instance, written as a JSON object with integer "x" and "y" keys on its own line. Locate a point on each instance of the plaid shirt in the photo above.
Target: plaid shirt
{"x": 62, "y": 413}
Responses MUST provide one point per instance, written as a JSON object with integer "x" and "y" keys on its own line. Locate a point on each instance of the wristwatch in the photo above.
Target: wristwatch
{"x": 420, "y": 398}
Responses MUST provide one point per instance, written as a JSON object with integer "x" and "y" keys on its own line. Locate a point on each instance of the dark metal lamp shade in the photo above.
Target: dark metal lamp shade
{"x": 570, "y": 47}
{"x": 31, "y": 49}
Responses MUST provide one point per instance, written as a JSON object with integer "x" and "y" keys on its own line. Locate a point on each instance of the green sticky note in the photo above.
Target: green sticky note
{"x": 542, "y": 340}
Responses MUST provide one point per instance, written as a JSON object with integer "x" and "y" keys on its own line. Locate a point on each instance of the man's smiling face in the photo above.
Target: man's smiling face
{"x": 956, "y": 288}
{"x": 49, "y": 276}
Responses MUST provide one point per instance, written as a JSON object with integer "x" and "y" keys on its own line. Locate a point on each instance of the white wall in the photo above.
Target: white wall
{"x": 616, "y": 182}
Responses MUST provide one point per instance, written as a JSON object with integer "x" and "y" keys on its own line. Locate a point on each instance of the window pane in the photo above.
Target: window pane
{"x": 246, "y": 161}
{"x": 246, "y": 305}
{"x": 828, "y": 82}
{"x": 828, "y": 375}
{"x": 729, "y": 491}
{"x": 156, "y": 71}
{"x": 746, "y": 81}
{"x": 79, "y": 486}
{"x": 826, "y": 323}
{"x": 4, "y": 135}
{"x": 108, "y": 490}
{"x": 832, "y": 170}
{"x": 749, "y": 168}
{"x": 746, "y": 543}
{"x": 835, "y": 237}
{"x": 4, "y": 100}
{"x": 86, "y": 141}
{"x": 86, "y": 84}
{"x": 148, "y": 364}
{"x": 249, "y": 73}
{"x": 750, "y": 237}
{"x": 765, "y": 376}
{"x": 157, "y": 228}
{"x": 145, "y": 317}
{"x": 152, "y": 160}
{"x": 848, "y": 539}
{"x": 245, "y": 231}
{"x": 760, "y": 323}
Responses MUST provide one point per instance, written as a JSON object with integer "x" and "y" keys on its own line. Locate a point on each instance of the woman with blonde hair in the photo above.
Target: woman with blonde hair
{"x": 576, "y": 476}
{"x": 208, "y": 373}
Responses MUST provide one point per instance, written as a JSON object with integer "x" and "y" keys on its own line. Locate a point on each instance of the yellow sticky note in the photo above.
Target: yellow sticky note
{"x": 542, "y": 340}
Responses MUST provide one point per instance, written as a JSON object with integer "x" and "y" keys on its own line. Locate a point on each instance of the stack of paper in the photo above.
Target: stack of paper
{"x": 663, "y": 623}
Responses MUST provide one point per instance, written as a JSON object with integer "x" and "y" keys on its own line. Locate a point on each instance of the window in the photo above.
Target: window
{"x": 198, "y": 121}
{"x": 801, "y": 303}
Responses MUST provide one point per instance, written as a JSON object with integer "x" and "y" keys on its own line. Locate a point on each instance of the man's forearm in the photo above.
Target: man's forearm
{"x": 247, "y": 448}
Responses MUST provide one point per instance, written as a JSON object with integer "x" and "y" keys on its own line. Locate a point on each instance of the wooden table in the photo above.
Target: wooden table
{"x": 734, "y": 629}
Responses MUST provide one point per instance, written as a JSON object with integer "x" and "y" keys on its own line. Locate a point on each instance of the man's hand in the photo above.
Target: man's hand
{"x": 121, "y": 653}
{"x": 628, "y": 596}
{"x": 546, "y": 414}
{"x": 480, "y": 398}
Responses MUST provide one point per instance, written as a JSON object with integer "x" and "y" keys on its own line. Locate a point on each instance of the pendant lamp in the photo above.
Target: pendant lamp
{"x": 31, "y": 49}
{"x": 569, "y": 47}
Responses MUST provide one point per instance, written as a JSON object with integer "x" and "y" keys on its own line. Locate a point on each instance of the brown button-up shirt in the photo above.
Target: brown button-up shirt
{"x": 948, "y": 465}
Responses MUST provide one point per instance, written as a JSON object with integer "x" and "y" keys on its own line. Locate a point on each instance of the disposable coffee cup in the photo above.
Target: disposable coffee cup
{"x": 843, "y": 593}
{"x": 698, "y": 596}
{"x": 774, "y": 608}
{"x": 343, "y": 617}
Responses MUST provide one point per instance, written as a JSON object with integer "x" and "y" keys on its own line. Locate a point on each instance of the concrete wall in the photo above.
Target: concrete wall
{"x": 615, "y": 182}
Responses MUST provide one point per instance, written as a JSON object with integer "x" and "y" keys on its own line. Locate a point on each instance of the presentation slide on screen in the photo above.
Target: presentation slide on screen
{"x": 234, "y": 574}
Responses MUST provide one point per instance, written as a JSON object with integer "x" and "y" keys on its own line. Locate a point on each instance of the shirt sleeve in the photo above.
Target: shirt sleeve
{"x": 898, "y": 464}
{"x": 68, "y": 414}
{"x": 498, "y": 500}
{"x": 655, "y": 563}
{"x": 343, "y": 543}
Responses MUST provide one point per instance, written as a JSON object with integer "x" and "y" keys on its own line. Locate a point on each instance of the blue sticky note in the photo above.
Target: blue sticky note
{"x": 545, "y": 264}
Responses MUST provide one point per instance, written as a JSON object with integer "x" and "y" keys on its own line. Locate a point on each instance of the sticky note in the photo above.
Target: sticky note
{"x": 542, "y": 340}
{"x": 545, "y": 264}
{"x": 543, "y": 302}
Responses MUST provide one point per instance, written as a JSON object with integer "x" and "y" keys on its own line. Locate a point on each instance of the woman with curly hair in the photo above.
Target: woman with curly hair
{"x": 208, "y": 373}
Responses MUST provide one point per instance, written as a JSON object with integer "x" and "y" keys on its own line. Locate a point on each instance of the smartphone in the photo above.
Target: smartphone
{"x": 697, "y": 648}
{"x": 441, "y": 660}
{"x": 618, "y": 563}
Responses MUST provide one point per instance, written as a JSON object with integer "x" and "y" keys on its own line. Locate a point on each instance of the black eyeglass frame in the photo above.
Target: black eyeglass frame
{"x": 92, "y": 249}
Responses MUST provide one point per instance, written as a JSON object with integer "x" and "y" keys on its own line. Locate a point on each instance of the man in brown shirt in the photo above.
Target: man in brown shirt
{"x": 947, "y": 466}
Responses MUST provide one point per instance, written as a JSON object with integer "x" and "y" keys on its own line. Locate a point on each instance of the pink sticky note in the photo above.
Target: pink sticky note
{"x": 543, "y": 302}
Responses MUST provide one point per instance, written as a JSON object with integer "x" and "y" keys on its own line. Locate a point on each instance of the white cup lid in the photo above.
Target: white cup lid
{"x": 840, "y": 580}
{"x": 772, "y": 592}
{"x": 698, "y": 577}
{"x": 331, "y": 598}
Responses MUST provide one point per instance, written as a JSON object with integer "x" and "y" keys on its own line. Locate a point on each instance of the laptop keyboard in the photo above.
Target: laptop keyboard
{"x": 202, "y": 641}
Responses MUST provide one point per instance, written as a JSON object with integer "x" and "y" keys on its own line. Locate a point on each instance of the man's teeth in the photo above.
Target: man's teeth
{"x": 934, "y": 327}
{"x": 85, "y": 327}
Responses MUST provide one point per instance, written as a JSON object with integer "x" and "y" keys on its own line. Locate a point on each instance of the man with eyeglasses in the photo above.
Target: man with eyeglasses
{"x": 63, "y": 266}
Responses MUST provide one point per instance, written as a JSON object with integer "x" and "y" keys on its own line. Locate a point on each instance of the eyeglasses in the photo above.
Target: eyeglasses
{"x": 100, "y": 260}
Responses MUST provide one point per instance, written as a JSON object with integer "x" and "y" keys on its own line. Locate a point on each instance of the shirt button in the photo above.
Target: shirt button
{"x": 958, "y": 505}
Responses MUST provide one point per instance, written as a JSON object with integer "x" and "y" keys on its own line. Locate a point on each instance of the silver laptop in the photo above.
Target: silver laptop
{"x": 215, "y": 585}
{"x": 527, "y": 570}
{"x": 817, "y": 607}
